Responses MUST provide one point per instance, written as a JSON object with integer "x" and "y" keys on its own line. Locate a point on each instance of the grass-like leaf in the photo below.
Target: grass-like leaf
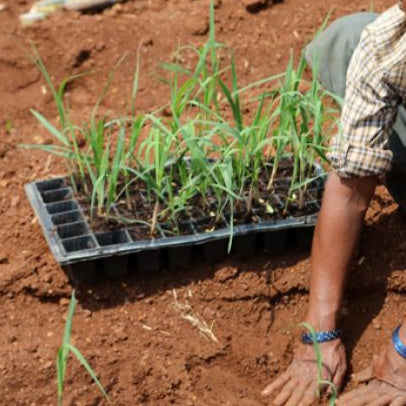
{"x": 322, "y": 383}
{"x": 63, "y": 354}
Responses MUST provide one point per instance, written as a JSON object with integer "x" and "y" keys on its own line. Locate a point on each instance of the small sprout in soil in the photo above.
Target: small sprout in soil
{"x": 9, "y": 126}
{"x": 63, "y": 354}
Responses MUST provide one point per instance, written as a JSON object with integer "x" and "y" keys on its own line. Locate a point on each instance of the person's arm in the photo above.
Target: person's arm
{"x": 359, "y": 156}
{"x": 338, "y": 228}
{"x": 341, "y": 217}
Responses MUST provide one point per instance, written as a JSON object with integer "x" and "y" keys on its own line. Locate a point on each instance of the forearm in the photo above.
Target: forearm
{"x": 340, "y": 222}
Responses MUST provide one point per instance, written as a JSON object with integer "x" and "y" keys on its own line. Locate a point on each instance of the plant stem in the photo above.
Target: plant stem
{"x": 155, "y": 218}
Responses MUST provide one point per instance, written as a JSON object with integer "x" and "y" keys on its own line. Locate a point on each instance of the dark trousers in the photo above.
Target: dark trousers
{"x": 331, "y": 51}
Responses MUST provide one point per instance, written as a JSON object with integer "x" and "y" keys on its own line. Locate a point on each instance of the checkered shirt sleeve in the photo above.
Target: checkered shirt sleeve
{"x": 376, "y": 80}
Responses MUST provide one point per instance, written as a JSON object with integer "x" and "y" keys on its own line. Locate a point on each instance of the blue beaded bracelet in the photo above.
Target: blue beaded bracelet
{"x": 321, "y": 337}
{"x": 399, "y": 346}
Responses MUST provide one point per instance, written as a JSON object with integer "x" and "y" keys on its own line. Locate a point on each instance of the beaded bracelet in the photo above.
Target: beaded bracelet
{"x": 397, "y": 343}
{"x": 321, "y": 337}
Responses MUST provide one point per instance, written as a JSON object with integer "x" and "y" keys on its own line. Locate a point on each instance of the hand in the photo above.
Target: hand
{"x": 386, "y": 379}
{"x": 298, "y": 385}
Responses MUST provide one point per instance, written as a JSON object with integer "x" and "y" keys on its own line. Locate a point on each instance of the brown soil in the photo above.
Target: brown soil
{"x": 130, "y": 330}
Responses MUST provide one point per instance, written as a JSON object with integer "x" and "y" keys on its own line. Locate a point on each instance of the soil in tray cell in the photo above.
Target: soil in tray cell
{"x": 140, "y": 233}
{"x": 102, "y": 223}
{"x": 310, "y": 208}
{"x": 191, "y": 213}
{"x": 209, "y": 224}
{"x": 143, "y": 232}
{"x": 139, "y": 203}
{"x": 178, "y": 229}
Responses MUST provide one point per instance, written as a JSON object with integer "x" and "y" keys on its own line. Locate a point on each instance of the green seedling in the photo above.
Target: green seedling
{"x": 322, "y": 383}
{"x": 200, "y": 85}
{"x": 63, "y": 354}
{"x": 66, "y": 137}
{"x": 220, "y": 147}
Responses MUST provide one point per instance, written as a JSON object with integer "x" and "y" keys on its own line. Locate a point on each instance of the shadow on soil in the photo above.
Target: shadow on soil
{"x": 109, "y": 293}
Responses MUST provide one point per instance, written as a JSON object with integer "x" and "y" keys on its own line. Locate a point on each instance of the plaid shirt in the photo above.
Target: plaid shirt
{"x": 376, "y": 85}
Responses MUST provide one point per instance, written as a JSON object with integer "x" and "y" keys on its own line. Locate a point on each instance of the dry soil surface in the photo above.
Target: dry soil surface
{"x": 130, "y": 330}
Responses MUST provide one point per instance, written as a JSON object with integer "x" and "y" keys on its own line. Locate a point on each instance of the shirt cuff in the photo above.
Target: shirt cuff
{"x": 358, "y": 160}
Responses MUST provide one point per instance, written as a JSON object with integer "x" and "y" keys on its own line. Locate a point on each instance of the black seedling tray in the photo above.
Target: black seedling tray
{"x": 85, "y": 254}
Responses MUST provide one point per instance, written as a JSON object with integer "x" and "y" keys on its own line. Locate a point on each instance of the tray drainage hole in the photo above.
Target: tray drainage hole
{"x": 51, "y": 196}
{"x": 60, "y": 207}
{"x": 112, "y": 237}
{"x": 51, "y": 184}
{"x": 78, "y": 244}
{"x": 67, "y": 217}
{"x": 72, "y": 230}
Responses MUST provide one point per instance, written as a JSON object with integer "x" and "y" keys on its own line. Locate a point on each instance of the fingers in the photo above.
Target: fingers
{"x": 399, "y": 401}
{"x": 298, "y": 395}
{"x": 311, "y": 394}
{"x": 291, "y": 393}
{"x": 308, "y": 398}
{"x": 363, "y": 376}
{"x": 358, "y": 397}
{"x": 383, "y": 400}
{"x": 275, "y": 385}
{"x": 347, "y": 397}
{"x": 285, "y": 393}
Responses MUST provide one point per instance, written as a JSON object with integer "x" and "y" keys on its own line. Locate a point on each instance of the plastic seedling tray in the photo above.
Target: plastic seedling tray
{"x": 85, "y": 254}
